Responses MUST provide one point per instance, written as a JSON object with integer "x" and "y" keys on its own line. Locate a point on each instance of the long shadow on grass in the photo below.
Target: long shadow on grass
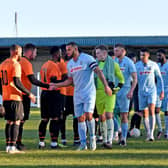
{"x": 87, "y": 166}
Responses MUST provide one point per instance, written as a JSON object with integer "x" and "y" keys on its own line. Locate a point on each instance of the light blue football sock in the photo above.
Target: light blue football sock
{"x": 124, "y": 128}
{"x": 82, "y": 132}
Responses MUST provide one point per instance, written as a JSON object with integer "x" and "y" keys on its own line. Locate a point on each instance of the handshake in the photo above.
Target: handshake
{"x": 52, "y": 86}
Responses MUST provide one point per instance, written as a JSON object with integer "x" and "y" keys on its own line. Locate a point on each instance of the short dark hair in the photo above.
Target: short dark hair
{"x": 119, "y": 45}
{"x": 145, "y": 50}
{"x": 73, "y": 44}
{"x": 131, "y": 55}
{"x": 15, "y": 47}
{"x": 63, "y": 47}
{"x": 29, "y": 46}
{"x": 111, "y": 53}
{"x": 54, "y": 49}
{"x": 161, "y": 51}
{"x": 102, "y": 47}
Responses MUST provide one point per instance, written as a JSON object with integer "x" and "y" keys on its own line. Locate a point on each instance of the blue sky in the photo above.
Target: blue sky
{"x": 52, "y": 18}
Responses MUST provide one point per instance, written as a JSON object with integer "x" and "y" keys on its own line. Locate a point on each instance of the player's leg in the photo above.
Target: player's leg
{"x": 81, "y": 127}
{"x": 44, "y": 105}
{"x": 109, "y": 107}
{"x": 157, "y": 115}
{"x": 26, "y": 109}
{"x": 166, "y": 124}
{"x": 14, "y": 113}
{"x": 55, "y": 113}
{"x": 152, "y": 120}
{"x": 63, "y": 120}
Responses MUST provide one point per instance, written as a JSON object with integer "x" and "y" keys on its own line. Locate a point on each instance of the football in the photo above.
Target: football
{"x": 135, "y": 132}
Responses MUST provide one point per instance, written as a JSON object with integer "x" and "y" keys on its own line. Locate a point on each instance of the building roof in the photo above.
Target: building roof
{"x": 88, "y": 41}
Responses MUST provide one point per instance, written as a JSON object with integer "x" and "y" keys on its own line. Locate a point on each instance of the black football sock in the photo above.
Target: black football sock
{"x": 42, "y": 129}
{"x": 19, "y": 139}
{"x": 75, "y": 129}
{"x": 54, "y": 130}
{"x": 14, "y": 134}
{"x": 138, "y": 121}
{"x": 133, "y": 121}
{"x": 63, "y": 128}
{"x": 8, "y": 133}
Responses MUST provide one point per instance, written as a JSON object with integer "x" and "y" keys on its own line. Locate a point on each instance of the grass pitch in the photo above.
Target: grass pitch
{"x": 137, "y": 154}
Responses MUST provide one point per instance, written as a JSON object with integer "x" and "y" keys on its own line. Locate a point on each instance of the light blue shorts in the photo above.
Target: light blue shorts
{"x": 80, "y": 109}
{"x": 84, "y": 103}
{"x": 145, "y": 100}
{"x": 158, "y": 102}
{"x": 164, "y": 106}
{"x": 123, "y": 102}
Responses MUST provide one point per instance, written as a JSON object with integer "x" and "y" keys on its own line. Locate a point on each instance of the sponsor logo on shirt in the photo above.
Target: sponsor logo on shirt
{"x": 122, "y": 69}
{"x": 75, "y": 69}
{"x": 144, "y": 72}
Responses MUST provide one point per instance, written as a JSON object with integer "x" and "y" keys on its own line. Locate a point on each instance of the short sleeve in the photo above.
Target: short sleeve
{"x": 27, "y": 68}
{"x": 132, "y": 67}
{"x": 63, "y": 68}
{"x": 16, "y": 71}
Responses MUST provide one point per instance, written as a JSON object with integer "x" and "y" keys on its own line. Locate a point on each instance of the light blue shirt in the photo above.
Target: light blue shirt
{"x": 127, "y": 67}
{"x": 146, "y": 74}
{"x": 82, "y": 74}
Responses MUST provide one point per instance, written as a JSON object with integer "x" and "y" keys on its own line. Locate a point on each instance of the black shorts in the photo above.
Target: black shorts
{"x": 26, "y": 107}
{"x": 69, "y": 105}
{"x": 13, "y": 110}
{"x": 52, "y": 104}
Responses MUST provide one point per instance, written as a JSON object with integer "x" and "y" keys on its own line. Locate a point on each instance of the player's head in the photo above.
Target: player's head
{"x": 63, "y": 52}
{"x": 133, "y": 57}
{"x": 16, "y": 51}
{"x": 55, "y": 52}
{"x": 119, "y": 50}
{"x": 30, "y": 51}
{"x": 144, "y": 55}
{"x": 101, "y": 52}
{"x": 72, "y": 49}
{"x": 161, "y": 55}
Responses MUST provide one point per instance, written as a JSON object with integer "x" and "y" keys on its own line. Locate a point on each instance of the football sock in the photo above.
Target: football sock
{"x": 42, "y": 129}
{"x": 82, "y": 132}
{"x": 166, "y": 125}
{"x": 146, "y": 125}
{"x": 103, "y": 130}
{"x": 8, "y": 134}
{"x": 152, "y": 125}
{"x": 14, "y": 134}
{"x": 116, "y": 126}
{"x": 19, "y": 139}
{"x": 138, "y": 121}
{"x": 91, "y": 127}
{"x": 124, "y": 129}
{"x": 133, "y": 121}
{"x": 75, "y": 129}
{"x": 110, "y": 130}
{"x": 63, "y": 128}
{"x": 158, "y": 122}
{"x": 54, "y": 130}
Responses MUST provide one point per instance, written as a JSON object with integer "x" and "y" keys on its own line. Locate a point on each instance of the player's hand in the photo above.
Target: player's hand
{"x": 2, "y": 111}
{"x": 52, "y": 86}
{"x": 130, "y": 94}
{"x": 161, "y": 95}
{"x": 108, "y": 90}
{"x": 32, "y": 97}
{"x": 115, "y": 90}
